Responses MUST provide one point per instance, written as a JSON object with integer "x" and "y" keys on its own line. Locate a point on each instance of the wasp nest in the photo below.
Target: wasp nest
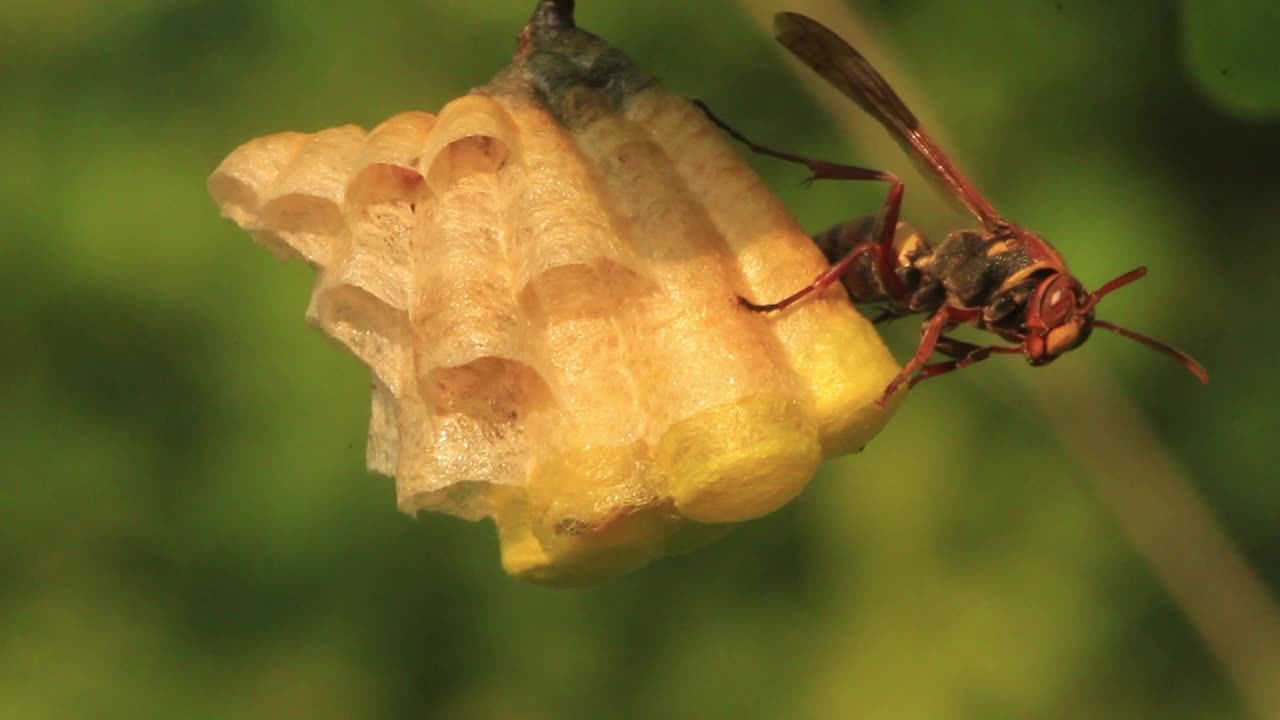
{"x": 543, "y": 279}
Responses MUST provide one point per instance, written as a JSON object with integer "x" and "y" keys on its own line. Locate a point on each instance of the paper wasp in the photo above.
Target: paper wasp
{"x": 1002, "y": 278}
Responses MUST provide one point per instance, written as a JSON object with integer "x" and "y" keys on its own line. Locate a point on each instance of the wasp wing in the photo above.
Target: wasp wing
{"x": 845, "y": 68}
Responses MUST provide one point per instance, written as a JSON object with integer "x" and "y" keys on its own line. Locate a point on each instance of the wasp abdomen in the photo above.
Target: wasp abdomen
{"x": 864, "y": 280}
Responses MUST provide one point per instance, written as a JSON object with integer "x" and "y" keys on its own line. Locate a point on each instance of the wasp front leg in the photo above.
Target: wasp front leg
{"x": 964, "y": 354}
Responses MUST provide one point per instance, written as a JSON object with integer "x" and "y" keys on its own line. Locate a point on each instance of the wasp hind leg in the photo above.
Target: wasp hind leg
{"x": 886, "y": 222}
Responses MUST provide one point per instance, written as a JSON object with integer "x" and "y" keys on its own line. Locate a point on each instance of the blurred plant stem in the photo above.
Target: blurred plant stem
{"x": 1156, "y": 505}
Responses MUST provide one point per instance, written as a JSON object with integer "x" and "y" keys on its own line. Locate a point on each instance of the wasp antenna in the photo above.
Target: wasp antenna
{"x": 1187, "y": 361}
{"x": 1114, "y": 285}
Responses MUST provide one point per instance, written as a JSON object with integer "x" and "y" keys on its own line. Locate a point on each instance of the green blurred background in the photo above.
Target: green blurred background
{"x": 187, "y": 528}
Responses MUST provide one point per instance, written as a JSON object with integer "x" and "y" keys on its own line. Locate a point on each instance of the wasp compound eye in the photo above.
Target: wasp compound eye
{"x": 1058, "y": 303}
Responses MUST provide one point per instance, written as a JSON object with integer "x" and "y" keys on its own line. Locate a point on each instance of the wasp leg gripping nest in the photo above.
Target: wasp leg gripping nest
{"x": 543, "y": 279}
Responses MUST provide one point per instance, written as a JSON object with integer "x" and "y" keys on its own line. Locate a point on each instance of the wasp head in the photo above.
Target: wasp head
{"x": 1060, "y": 318}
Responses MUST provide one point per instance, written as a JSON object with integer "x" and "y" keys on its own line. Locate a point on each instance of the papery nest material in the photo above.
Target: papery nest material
{"x": 543, "y": 279}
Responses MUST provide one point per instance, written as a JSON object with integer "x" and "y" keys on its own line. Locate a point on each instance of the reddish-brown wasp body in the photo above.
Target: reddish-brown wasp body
{"x": 1002, "y": 277}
